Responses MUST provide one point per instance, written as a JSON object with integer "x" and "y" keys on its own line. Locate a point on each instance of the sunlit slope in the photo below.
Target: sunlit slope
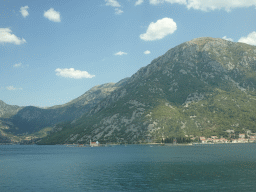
{"x": 8, "y": 110}
{"x": 201, "y": 87}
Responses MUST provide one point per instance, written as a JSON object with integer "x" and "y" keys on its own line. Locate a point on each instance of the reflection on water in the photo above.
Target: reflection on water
{"x": 130, "y": 168}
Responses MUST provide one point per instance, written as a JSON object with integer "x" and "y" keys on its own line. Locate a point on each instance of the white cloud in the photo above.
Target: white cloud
{"x": 11, "y": 88}
{"x": 226, "y": 38}
{"x": 112, "y": 3}
{"x": 147, "y": 52}
{"x": 219, "y": 4}
{"x": 7, "y": 37}
{"x": 159, "y": 29}
{"x": 17, "y": 65}
{"x": 155, "y": 2}
{"x": 52, "y": 15}
{"x": 138, "y": 2}
{"x": 250, "y": 39}
{"x": 72, "y": 73}
{"x": 118, "y": 11}
{"x": 24, "y": 11}
{"x": 210, "y": 5}
{"x": 120, "y": 53}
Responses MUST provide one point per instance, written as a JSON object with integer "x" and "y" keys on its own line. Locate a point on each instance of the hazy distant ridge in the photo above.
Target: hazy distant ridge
{"x": 20, "y": 120}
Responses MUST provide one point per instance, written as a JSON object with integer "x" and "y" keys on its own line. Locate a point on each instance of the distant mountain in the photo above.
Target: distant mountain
{"x": 8, "y": 110}
{"x": 201, "y": 87}
{"x": 17, "y": 120}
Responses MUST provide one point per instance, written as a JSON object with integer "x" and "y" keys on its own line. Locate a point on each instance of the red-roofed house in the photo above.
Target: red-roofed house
{"x": 209, "y": 139}
{"x": 94, "y": 144}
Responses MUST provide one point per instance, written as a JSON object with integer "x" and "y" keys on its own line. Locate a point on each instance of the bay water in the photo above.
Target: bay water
{"x": 218, "y": 167}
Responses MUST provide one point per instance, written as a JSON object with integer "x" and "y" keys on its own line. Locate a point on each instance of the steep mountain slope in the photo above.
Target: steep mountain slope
{"x": 8, "y": 110}
{"x": 30, "y": 119}
{"x": 201, "y": 87}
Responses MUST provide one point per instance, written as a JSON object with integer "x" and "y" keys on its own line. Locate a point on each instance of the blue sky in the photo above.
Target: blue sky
{"x": 54, "y": 51}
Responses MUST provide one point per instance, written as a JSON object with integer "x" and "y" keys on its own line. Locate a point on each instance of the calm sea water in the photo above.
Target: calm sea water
{"x": 224, "y": 167}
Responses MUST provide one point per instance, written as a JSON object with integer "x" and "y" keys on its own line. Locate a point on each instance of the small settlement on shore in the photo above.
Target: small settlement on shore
{"x": 247, "y": 137}
{"x": 92, "y": 144}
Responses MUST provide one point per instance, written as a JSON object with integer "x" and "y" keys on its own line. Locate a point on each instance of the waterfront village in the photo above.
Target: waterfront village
{"x": 231, "y": 137}
{"x": 247, "y": 137}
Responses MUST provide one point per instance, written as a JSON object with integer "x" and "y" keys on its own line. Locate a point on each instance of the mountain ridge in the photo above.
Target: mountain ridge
{"x": 8, "y": 110}
{"x": 192, "y": 73}
{"x": 30, "y": 119}
{"x": 200, "y": 87}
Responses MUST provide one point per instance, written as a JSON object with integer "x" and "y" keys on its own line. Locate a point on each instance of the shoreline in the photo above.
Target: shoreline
{"x": 114, "y": 144}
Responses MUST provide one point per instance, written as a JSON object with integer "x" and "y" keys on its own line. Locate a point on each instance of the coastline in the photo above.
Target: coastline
{"x": 115, "y": 144}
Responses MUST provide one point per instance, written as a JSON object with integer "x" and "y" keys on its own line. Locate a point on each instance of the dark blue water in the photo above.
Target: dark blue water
{"x": 224, "y": 167}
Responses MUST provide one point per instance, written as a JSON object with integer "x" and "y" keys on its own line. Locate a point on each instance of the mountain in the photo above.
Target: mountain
{"x": 31, "y": 120}
{"x": 202, "y": 87}
{"x": 8, "y": 110}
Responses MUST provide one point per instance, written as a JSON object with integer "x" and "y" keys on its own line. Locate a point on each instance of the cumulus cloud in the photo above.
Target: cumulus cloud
{"x": 112, "y": 3}
{"x": 219, "y": 4}
{"x": 12, "y": 88}
{"x": 24, "y": 11}
{"x": 147, "y": 52}
{"x": 120, "y": 53}
{"x": 250, "y": 39}
{"x": 138, "y": 2}
{"x": 17, "y": 65}
{"x": 159, "y": 29}
{"x": 155, "y": 2}
{"x": 52, "y": 15}
{"x": 72, "y": 73}
{"x": 226, "y": 38}
{"x": 6, "y": 36}
{"x": 118, "y": 11}
{"x": 209, "y": 5}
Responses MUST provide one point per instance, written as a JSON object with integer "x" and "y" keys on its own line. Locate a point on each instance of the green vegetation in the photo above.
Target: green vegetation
{"x": 203, "y": 89}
